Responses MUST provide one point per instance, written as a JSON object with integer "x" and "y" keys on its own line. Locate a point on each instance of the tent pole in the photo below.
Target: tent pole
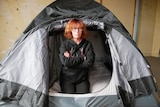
{"x": 136, "y": 21}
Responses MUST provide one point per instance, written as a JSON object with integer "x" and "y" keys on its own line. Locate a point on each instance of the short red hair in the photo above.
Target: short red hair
{"x": 72, "y": 24}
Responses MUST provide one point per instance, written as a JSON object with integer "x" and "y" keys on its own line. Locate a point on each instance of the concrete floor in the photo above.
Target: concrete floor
{"x": 155, "y": 68}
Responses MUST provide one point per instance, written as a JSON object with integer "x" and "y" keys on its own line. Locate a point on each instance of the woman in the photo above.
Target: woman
{"x": 77, "y": 57}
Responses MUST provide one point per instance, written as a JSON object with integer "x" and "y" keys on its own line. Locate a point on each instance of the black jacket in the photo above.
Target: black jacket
{"x": 75, "y": 68}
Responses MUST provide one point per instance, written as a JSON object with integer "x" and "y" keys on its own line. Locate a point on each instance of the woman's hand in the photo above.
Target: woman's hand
{"x": 67, "y": 54}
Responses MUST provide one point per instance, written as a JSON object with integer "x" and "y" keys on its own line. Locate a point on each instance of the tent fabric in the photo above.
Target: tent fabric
{"x": 31, "y": 68}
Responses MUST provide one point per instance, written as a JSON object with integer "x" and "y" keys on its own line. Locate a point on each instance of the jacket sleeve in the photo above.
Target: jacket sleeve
{"x": 71, "y": 61}
{"x": 90, "y": 57}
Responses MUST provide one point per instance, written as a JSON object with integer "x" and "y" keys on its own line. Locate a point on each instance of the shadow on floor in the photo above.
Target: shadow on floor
{"x": 155, "y": 68}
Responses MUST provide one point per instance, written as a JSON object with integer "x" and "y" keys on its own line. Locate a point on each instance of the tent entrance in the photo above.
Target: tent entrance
{"x": 100, "y": 73}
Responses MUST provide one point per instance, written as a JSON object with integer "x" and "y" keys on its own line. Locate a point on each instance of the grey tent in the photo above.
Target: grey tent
{"x": 120, "y": 77}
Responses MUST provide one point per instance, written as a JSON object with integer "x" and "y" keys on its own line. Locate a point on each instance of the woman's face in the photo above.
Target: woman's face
{"x": 76, "y": 33}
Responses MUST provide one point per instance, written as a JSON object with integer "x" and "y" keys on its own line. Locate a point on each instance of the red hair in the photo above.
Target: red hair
{"x": 72, "y": 24}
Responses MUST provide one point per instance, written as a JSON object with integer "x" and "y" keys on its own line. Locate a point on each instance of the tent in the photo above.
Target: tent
{"x": 120, "y": 77}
